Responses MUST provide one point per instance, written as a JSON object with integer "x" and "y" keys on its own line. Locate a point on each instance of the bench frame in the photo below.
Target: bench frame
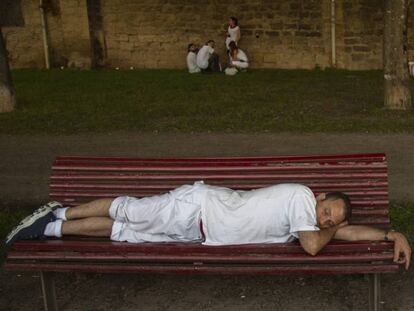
{"x": 80, "y": 179}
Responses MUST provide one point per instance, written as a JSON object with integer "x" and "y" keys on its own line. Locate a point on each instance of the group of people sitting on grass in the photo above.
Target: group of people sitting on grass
{"x": 206, "y": 59}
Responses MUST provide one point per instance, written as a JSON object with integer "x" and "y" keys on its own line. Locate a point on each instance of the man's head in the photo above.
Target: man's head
{"x": 211, "y": 43}
{"x": 332, "y": 208}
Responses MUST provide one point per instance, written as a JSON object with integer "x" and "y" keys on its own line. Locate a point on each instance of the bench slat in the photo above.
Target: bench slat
{"x": 209, "y": 269}
{"x": 200, "y": 258}
{"x": 103, "y": 245}
{"x": 373, "y": 157}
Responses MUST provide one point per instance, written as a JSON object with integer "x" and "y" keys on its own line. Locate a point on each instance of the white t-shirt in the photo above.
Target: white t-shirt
{"x": 203, "y": 55}
{"x": 192, "y": 62}
{"x": 232, "y": 35}
{"x": 241, "y": 56}
{"x": 273, "y": 214}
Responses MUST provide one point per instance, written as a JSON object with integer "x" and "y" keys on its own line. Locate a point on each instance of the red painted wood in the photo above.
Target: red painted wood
{"x": 162, "y": 188}
{"x": 230, "y": 177}
{"x": 207, "y": 269}
{"x": 203, "y": 257}
{"x": 227, "y": 168}
{"x": 288, "y": 159}
{"x": 380, "y": 156}
{"x": 380, "y": 187}
{"x": 103, "y": 245}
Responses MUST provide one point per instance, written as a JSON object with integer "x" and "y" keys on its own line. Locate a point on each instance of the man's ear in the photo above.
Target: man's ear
{"x": 321, "y": 197}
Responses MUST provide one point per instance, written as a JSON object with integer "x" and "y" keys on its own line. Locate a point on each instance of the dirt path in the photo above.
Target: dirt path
{"x": 24, "y": 169}
{"x": 25, "y": 160}
{"x": 21, "y": 292}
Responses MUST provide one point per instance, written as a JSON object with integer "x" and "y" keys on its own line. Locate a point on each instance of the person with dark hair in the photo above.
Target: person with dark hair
{"x": 233, "y": 32}
{"x": 192, "y": 59}
{"x": 237, "y": 59}
{"x": 207, "y": 59}
{"x": 212, "y": 215}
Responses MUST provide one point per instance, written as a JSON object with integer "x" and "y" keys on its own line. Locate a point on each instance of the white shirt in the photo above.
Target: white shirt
{"x": 268, "y": 215}
{"x": 241, "y": 56}
{"x": 203, "y": 55}
{"x": 192, "y": 62}
{"x": 232, "y": 35}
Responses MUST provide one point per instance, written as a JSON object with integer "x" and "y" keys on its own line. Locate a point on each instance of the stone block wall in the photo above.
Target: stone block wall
{"x": 360, "y": 30}
{"x": 68, "y": 34}
{"x": 24, "y": 44}
{"x": 155, "y": 33}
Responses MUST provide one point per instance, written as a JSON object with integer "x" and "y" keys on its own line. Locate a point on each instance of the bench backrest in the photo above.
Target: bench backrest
{"x": 75, "y": 180}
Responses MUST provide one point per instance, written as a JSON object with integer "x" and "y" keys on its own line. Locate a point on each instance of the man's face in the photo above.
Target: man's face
{"x": 211, "y": 44}
{"x": 329, "y": 213}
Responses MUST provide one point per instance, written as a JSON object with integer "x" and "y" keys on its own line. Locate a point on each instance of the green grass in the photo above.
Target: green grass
{"x": 66, "y": 102}
{"x": 402, "y": 218}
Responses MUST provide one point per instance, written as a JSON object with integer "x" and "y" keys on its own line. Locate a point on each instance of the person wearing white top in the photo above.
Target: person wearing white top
{"x": 233, "y": 32}
{"x": 213, "y": 215}
{"x": 192, "y": 59}
{"x": 207, "y": 59}
{"x": 238, "y": 58}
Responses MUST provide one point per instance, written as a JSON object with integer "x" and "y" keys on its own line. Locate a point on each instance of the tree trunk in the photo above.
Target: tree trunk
{"x": 7, "y": 95}
{"x": 396, "y": 74}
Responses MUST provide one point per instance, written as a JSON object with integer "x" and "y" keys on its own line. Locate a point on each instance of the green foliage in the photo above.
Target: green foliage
{"x": 402, "y": 218}
{"x": 66, "y": 102}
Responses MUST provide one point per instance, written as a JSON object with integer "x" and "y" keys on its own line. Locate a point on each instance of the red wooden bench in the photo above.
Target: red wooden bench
{"x": 75, "y": 180}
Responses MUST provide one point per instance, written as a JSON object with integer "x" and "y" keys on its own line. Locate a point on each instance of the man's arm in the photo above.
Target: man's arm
{"x": 313, "y": 241}
{"x": 402, "y": 249}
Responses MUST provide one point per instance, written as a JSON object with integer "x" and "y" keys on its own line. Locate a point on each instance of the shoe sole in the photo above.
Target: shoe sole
{"x": 29, "y": 220}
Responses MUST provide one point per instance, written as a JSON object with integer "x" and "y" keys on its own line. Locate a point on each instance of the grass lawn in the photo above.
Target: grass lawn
{"x": 66, "y": 102}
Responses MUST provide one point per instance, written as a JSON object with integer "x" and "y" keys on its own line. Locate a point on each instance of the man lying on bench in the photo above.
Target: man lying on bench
{"x": 214, "y": 216}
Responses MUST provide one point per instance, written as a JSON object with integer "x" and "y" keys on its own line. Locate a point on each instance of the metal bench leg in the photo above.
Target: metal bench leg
{"x": 374, "y": 291}
{"x": 49, "y": 292}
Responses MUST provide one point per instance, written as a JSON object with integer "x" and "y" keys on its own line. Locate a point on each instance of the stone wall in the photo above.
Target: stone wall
{"x": 68, "y": 34}
{"x": 24, "y": 44}
{"x": 155, "y": 33}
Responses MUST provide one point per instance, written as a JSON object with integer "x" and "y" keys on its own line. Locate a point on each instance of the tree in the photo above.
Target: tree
{"x": 10, "y": 15}
{"x": 396, "y": 73}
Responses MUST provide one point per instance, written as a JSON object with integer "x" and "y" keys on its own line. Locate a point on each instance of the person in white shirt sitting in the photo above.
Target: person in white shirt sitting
{"x": 192, "y": 59}
{"x": 207, "y": 59}
{"x": 238, "y": 59}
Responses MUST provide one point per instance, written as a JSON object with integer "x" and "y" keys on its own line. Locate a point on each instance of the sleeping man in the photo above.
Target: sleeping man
{"x": 212, "y": 215}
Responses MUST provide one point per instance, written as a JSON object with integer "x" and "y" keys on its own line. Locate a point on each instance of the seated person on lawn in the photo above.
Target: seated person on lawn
{"x": 212, "y": 215}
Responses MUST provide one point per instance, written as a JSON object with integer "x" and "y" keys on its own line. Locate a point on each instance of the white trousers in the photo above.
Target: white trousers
{"x": 173, "y": 216}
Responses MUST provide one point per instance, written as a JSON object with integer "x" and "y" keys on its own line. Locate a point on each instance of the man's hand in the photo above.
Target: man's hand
{"x": 402, "y": 249}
